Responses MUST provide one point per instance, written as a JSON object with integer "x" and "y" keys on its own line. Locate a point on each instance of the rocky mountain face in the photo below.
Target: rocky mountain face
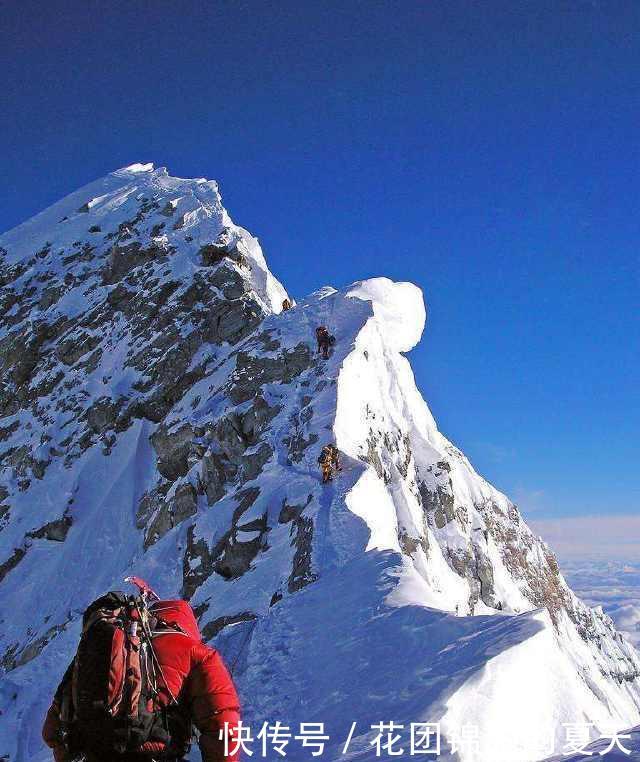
{"x": 161, "y": 416}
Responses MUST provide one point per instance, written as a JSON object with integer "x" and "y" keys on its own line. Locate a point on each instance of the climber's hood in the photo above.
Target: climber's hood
{"x": 180, "y": 613}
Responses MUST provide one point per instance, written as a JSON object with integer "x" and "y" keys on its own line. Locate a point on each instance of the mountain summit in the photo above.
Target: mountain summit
{"x": 160, "y": 416}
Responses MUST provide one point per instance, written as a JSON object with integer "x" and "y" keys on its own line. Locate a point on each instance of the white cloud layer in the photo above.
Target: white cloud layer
{"x": 612, "y": 538}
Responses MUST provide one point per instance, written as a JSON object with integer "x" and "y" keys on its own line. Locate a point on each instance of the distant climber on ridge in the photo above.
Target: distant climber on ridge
{"x": 325, "y": 340}
{"x": 329, "y": 461}
{"x": 286, "y": 305}
{"x": 140, "y": 678}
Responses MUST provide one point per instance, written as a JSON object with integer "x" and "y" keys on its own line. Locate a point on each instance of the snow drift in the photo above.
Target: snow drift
{"x": 160, "y": 417}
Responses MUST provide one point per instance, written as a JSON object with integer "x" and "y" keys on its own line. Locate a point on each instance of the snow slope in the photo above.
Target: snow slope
{"x": 160, "y": 417}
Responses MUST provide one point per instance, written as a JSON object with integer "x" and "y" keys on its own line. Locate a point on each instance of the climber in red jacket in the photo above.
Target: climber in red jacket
{"x": 191, "y": 671}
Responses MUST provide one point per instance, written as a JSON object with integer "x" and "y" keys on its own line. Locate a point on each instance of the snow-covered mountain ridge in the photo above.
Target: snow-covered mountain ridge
{"x": 161, "y": 416}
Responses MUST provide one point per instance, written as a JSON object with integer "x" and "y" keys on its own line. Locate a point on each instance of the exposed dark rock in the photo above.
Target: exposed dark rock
{"x": 213, "y": 254}
{"x": 409, "y": 545}
{"x": 473, "y": 564}
{"x": 215, "y": 470}
{"x": 297, "y": 446}
{"x": 291, "y": 512}
{"x": 50, "y": 296}
{"x": 197, "y": 564}
{"x": 227, "y": 457}
{"x": 19, "y": 354}
{"x": 235, "y": 556}
{"x": 120, "y": 296}
{"x": 229, "y": 281}
{"x": 149, "y": 504}
{"x": 439, "y": 503}
{"x": 44, "y": 251}
{"x": 372, "y": 456}
{"x": 9, "y": 403}
{"x": 169, "y": 374}
{"x": 184, "y": 503}
{"x": 245, "y": 499}
{"x": 231, "y": 321}
{"x": 267, "y": 342}
{"x": 255, "y": 525}
{"x": 55, "y": 531}
{"x": 460, "y": 560}
{"x": 47, "y": 384}
{"x": 402, "y": 463}
{"x": 172, "y": 448}
{"x": 11, "y": 562}
{"x": 123, "y": 259}
{"x": 72, "y": 349}
{"x": 4, "y": 507}
{"x": 8, "y": 298}
{"x": 17, "y": 657}
{"x": 257, "y": 418}
{"x": 6, "y": 662}
{"x": 103, "y": 414}
{"x": 234, "y": 552}
{"x": 197, "y": 293}
{"x": 302, "y": 539}
{"x": 230, "y": 438}
{"x": 485, "y": 575}
{"x": 170, "y": 512}
{"x": 168, "y": 209}
{"x": 23, "y": 462}
{"x": 252, "y": 372}
{"x": 89, "y": 364}
{"x": 253, "y": 463}
{"x": 83, "y": 254}
{"x": 7, "y": 431}
{"x": 211, "y": 629}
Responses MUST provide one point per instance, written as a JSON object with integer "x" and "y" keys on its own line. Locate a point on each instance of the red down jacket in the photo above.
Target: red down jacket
{"x": 195, "y": 672}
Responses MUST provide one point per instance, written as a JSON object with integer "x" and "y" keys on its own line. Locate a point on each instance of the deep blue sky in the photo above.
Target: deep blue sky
{"x": 487, "y": 151}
